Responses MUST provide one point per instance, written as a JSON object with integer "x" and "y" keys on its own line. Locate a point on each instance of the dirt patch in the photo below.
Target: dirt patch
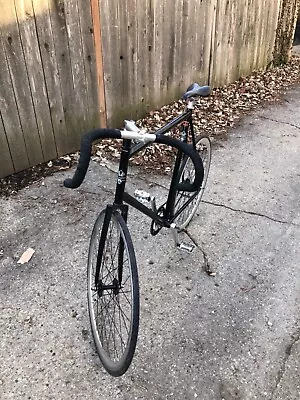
{"x": 12, "y": 183}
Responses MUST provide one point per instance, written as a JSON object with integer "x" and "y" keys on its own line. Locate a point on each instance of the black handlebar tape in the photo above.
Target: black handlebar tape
{"x": 85, "y": 154}
{"x": 190, "y": 152}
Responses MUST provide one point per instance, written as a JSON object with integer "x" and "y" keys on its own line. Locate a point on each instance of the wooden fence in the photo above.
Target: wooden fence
{"x": 48, "y": 93}
{"x": 153, "y": 49}
{"x": 70, "y": 65}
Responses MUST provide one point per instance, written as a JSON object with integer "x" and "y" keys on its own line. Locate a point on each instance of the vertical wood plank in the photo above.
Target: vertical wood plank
{"x": 243, "y": 40}
{"x": 189, "y": 55}
{"x": 158, "y": 49}
{"x": 227, "y": 41}
{"x": 220, "y": 54}
{"x": 203, "y": 40}
{"x": 168, "y": 50}
{"x": 234, "y": 40}
{"x": 251, "y": 33}
{"x": 273, "y": 27}
{"x": 58, "y": 20}
{"x": 106, "y": 55}
{"x": 135, "y": 88}
{"x": 30, "y": 46}
{"x": 260, "y": 32}
{"x": 97, "y": 29}
{"x": 184, "y": 32}
{"x": 144, "y": 83}
{"x": 111, "y": 62}
{"x": 211, "y": 21}
{"x": 149, "y": 47}
{"x": 124, "y": 54}
{"x": 177, "y": 64}
{"x": 267, "y": 33}
{"x": 88, "y": 56}
{"x": 270, "y": 36}
{"x": 257, "y": 32}
{"x": 51, "y": 74}
{"x": 6, "y": 164}
{"x": 72, "y": 24}
{"x": 133, "y": 84}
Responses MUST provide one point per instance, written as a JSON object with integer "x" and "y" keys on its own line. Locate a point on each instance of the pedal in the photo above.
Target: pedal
{"x": 145, "y": 197}
{"x": 188, "y": 248}
{"x": 142, "y": 196}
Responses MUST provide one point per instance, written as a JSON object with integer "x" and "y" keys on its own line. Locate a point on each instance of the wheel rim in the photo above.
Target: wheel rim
{"x": 188, "y": 174}
{"x": 111, "y": 303}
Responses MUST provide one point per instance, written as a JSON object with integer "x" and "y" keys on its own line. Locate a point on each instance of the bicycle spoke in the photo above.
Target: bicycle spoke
{"x": 123, "y": 312}
{"x": 113, "y": 324}
{"x": 125, "y": 296}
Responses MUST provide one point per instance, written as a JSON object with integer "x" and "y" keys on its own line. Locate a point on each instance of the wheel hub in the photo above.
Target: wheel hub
{"x": 114, "y": 287}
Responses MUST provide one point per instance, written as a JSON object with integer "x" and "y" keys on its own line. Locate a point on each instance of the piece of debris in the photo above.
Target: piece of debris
{"x": 210, "y": 273}
{"x": 26, "y": 256}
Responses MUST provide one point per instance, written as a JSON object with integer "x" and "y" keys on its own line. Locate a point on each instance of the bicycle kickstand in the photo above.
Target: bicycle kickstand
{"x": 188, "y": 248}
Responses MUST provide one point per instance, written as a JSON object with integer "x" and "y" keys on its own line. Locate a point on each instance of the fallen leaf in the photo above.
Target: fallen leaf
{"x": 26, "y": 256}
{"x": 66, "y": 158}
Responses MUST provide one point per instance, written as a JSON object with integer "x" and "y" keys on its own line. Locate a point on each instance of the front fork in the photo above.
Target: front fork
{"x": 110, "y": 209}
{"x": 116, "y": 284}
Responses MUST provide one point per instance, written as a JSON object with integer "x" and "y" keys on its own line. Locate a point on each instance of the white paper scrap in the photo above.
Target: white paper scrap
{"x": 26, "y": 256}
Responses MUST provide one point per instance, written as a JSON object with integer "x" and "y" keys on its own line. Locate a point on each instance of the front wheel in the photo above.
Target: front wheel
{"x": 113, "y": 292}
{"x": 187, "y": 173}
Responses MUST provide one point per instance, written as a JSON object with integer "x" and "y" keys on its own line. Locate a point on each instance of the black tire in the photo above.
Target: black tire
{"x": 113, "y": 310}
{"x": 187, "y": 172}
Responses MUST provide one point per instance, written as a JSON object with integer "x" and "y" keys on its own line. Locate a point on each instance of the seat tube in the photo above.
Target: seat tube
{"x": 172, "y": 190}
{"x": 122, "y": 173}
{"x": 169, "y": 213}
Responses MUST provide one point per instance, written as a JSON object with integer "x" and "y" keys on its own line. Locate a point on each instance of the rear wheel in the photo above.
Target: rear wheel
{"x": 187, "y": 173}
{"x": 113, "y": 293}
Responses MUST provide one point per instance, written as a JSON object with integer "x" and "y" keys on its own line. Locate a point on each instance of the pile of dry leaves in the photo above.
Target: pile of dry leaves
{"x": 213, "y": 115}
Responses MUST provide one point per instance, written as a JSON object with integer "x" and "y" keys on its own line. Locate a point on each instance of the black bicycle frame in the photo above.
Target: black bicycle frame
{"x": 121, "y": 196}
{"x": 128, "y": 152}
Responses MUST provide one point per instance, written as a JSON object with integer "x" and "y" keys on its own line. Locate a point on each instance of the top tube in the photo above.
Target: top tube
{"x": 161, "y": 131}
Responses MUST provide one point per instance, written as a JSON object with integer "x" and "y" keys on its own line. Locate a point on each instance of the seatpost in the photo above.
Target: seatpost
{"x": 190, "y": 103}
{"x": 122, "y": 173}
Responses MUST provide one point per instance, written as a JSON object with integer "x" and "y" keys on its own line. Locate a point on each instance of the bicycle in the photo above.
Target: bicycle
{"x": 112, "y": 276}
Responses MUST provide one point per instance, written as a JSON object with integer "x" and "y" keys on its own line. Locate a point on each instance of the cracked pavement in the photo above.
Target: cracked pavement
{"x": 233, "y": 334}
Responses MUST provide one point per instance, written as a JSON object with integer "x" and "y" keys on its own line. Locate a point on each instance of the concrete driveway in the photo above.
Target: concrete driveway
{"x": 234, "y": 335}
